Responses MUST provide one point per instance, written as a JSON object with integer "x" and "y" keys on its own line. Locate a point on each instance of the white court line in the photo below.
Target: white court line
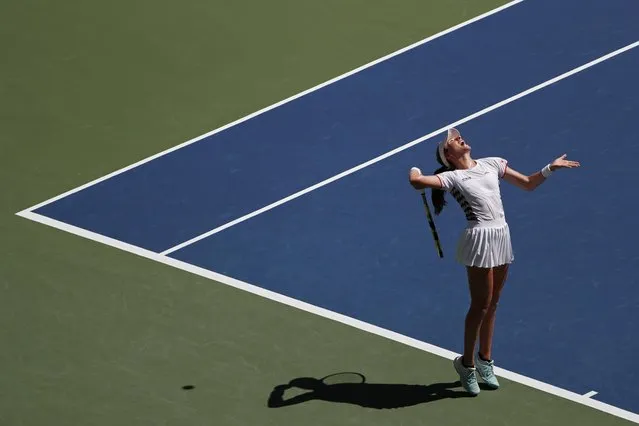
{"x": 436, "y": 350}
{"x": 402, "y": 148}
{"x": 278, "y": 104}
{"x": 590, "y": 394}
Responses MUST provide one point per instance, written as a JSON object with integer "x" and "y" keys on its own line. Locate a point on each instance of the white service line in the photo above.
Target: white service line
{"x": 590, "y": 394}
{"x": 361, "y": 325}
{"x": 278, "y": 104}
{"x": 402, "y": 148}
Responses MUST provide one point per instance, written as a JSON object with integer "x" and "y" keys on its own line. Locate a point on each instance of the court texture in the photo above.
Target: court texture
{"x": 206, "y": 210}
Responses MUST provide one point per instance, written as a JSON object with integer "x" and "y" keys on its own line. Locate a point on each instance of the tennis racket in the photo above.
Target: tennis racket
{"x": 431, "y": 222}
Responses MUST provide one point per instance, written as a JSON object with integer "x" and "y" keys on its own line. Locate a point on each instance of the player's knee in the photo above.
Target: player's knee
{"x": 481, "y": 307}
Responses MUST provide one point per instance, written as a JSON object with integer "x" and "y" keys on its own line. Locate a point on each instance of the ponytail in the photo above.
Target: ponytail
{"x": 438, "y": 195}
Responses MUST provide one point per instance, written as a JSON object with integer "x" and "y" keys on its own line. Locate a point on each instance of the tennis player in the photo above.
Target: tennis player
{"x": 484, "y": 246}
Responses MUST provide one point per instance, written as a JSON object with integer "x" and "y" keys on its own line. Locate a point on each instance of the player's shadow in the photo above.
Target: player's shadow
{"x": 370, "y": 395}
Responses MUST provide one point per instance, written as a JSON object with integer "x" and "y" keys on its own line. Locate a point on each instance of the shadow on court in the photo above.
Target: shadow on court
{"x": 370, "y": 395}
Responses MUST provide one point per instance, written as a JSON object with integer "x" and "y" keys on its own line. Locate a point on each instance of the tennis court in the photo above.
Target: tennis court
{"x": 285, "y": 241}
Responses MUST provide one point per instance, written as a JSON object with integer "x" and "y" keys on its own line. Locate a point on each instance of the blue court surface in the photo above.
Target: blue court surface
{"x": 360, "y": 245}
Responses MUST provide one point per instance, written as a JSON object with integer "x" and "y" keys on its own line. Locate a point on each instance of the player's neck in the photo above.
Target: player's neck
{"x": 465, "y": 162}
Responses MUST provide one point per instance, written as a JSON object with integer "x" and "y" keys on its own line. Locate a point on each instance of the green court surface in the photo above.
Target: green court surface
{"x": 96, "y": 336}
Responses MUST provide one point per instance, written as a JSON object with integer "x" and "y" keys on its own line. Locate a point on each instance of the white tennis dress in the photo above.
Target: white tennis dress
{"x": 486, "y": 240}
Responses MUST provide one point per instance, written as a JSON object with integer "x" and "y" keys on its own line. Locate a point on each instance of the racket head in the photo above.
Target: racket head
{"x": 343, "y": 377}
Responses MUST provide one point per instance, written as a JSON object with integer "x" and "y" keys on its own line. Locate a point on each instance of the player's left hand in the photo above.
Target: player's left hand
{"x": 414, "y": 172}
{"x": 562, "y": 163}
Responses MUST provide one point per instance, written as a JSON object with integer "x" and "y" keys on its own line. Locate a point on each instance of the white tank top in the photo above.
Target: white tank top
{"x": 477, "y": 191}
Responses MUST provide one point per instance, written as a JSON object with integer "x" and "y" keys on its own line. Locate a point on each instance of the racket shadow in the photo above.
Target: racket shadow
{"x": 369, "y": 395}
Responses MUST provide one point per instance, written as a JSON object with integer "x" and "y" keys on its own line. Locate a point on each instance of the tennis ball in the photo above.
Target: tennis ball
{"x": 415, "y": 169}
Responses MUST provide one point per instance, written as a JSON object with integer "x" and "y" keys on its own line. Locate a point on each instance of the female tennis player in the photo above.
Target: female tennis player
{"x": 484, "y": 246}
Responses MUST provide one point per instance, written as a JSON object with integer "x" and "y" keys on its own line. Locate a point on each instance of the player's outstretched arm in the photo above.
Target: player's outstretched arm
{"x": 529, "y": 183}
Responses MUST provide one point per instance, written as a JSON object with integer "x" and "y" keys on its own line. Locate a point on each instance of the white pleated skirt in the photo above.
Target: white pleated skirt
{"x": 485, "y": 245}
